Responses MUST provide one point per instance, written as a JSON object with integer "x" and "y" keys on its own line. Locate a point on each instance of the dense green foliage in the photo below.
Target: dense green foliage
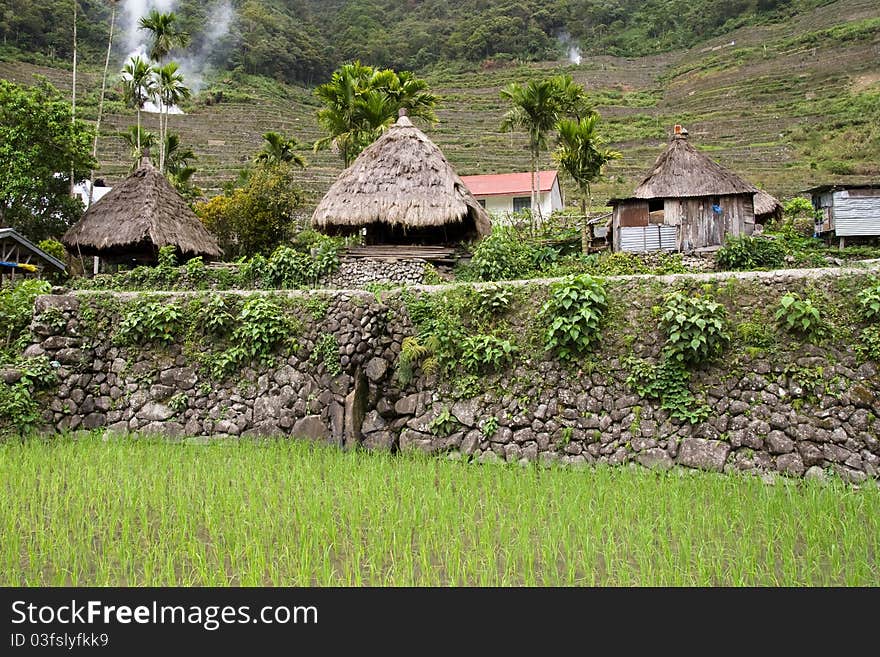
{"x": 695, "y": 328}
{"x": 306, "y": 39}
{"x": 256, "y": 217}
{"x": 360, "y": 102}
{"x": 574, "y": 314}
{"x": 799, "y": 316}
{"x": 16, "y": 309}
{"x": 300, "y": 264}
{"x": 220, "y": 514}
{"x": 39, "y": 150}
{"x": 747, "y": 252}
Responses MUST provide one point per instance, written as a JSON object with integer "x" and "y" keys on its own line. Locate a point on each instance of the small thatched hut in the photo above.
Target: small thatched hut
{"x": 767, "y": 208}
{"x": 687, "y": 202}
{"x": 402, "y": 190}
{"x": 137, "y": 217}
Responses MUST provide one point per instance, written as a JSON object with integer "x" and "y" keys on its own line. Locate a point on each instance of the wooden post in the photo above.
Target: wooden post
{"x": 842, "y": 243}
{"x": 95, "y": 265}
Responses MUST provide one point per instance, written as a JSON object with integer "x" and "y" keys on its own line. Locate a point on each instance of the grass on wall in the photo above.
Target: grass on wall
{"x": 145, "y": 512}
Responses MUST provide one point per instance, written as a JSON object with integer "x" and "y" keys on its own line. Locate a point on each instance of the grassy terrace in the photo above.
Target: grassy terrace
{"x": 145, "y": 512}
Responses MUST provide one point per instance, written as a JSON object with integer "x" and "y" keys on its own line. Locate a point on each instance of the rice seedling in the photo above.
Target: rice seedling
{"x": 135, "y": 512}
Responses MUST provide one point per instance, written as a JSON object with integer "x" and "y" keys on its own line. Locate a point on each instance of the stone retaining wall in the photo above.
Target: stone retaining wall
{"x": 796, "y": 409}
{"x": 360, "y": 272}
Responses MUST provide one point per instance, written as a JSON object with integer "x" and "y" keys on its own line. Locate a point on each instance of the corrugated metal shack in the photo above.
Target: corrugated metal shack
{"x": 847, "y": 210}
{"x": 686, "y": 203}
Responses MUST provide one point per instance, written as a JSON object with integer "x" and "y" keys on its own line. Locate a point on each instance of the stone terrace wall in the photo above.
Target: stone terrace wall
{"x": 358, "y": 273}
{"x": 794, "y": 408}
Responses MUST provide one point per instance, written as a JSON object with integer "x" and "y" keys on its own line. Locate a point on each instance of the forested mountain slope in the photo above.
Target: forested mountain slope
{"x": 785, "y": 103}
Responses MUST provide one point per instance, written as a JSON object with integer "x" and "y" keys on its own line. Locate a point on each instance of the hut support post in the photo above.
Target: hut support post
{"x": 96, "y": 263}
{"x": 842, "y": 243}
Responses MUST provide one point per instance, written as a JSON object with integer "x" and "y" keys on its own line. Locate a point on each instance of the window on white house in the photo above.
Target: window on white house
{"x": 521, "y": 203}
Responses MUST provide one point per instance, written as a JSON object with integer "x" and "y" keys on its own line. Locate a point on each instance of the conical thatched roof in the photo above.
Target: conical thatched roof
{"x": 683, "y": 171}
{"x": 143, "y": 213}
{"x": 766, "y": 204}
{"x": 402, "y": 180}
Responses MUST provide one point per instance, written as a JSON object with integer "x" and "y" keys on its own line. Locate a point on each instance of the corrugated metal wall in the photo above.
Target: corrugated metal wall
{"x": 640, "y": 239}
{"x": 856, "y": 215}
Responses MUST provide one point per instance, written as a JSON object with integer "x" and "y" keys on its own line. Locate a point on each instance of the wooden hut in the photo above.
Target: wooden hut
{"x": 402, "y": 191}
{"x": 847, "y": 212}
{"x": 21, "y": 257}
{"x": 138, "y": 217}
{"x": 686, "y": 203}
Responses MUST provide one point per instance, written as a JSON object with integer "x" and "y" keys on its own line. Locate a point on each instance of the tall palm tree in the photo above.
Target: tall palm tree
{"x": 177, "y": 161}
{"x": 277, "y": 149}
{"x": 536, "y": 107}
{"x": 582, "y": 154}
{"x": 164, "y": 33}
{"x": 170, "y": 91}
{"x": 138, "y": 87}
{"x": 101, "y": 101}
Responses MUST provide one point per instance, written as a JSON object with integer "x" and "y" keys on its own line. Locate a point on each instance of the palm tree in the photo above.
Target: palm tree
{"x": 535, "y": 110}
{"x": 278, "y": 149}
{"x": 361, "y": 102}
{"x": 138, "y": 140}
{"x": 536, "y": 107}
{"x": 177, "y": 162}
{"x": 101, "y": 101}
{"x": 581, "y": 153}
{"x": 138, "y": 86}
{"x": 170, "y": 91}
{"x": 164, "y": 33}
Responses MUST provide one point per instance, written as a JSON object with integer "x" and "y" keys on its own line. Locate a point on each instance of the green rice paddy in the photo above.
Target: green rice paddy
{"x": 135, "y": 512}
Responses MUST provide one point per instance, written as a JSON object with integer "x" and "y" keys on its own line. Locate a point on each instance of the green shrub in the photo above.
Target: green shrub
{"x": 494, "y": 299}
{"x": 870, "y": 346}
{"x": 869, "y": 303}
{"x": 327, "y": 352}
{"x": 149, "y": 321}
{"x": 799, "y": 316}
{"x": 262, "y": 326}
{"x": 667, "y": 382}
{"x": 503, "y": 255}
{"x": 486, "y": 352}
{"x": 16, "y": 309}
{"x": 574, "y": 315}
{"x": 695, "y": 328}
{"x": 745, "y": 253}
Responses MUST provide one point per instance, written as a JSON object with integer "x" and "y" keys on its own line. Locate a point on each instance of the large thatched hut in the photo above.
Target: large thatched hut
{"x": 687, "y": 202}
{"x": 138, "y": 217}
{"x": 402, "y": 190}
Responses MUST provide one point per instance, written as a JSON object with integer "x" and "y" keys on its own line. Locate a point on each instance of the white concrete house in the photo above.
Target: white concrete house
{"x": 505, "y": 193}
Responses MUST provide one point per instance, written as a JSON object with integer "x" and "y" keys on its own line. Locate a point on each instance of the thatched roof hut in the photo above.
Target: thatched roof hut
{"x": 687, "y": 202}
{"x": 402, "y": 190}
{"x": 137, "y": 217}
{"x": 682, "y": 171}
{"x": 767, "y": 207}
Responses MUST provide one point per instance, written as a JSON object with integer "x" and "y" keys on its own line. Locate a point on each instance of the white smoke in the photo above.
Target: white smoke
{"x": 573, "y": 50}
{"x": 193, "y": 65}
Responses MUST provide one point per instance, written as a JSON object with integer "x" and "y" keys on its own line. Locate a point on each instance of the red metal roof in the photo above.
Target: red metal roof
{"x": 506, "y": 184}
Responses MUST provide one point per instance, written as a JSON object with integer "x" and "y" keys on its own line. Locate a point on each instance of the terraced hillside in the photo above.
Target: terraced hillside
{"x": 787, "y": 105}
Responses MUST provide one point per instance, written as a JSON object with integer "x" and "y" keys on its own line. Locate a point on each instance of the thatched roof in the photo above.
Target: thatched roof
{"x": 765, "y": 204}
{"x": 402, "y": 180}
{"x": 144, "y": 212}
{"x": 682, "y": 171}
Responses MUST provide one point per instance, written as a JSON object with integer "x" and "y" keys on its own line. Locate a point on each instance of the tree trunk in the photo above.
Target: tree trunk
{"x": 73, "y": 96}
{"x": 101, "y": 102}
{"x": 533, "y": 207}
